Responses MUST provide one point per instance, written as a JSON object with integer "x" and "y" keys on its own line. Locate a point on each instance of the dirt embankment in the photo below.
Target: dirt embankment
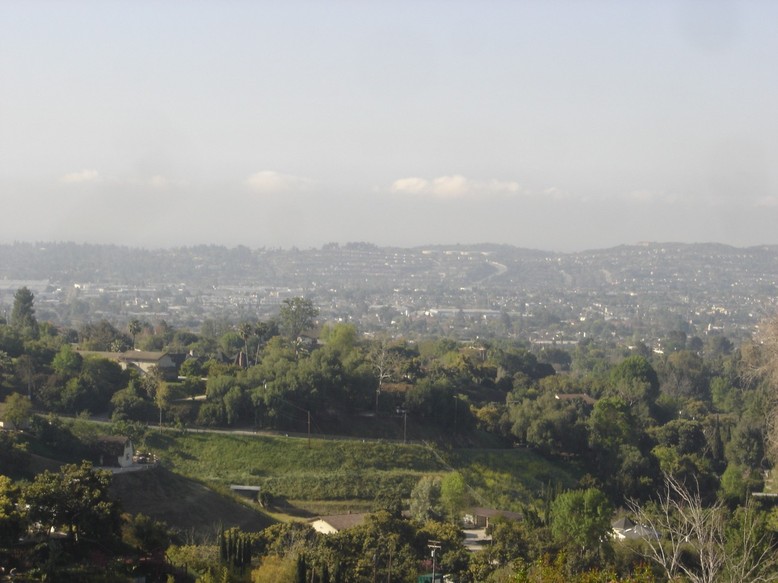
{"x": 183, "y": 504}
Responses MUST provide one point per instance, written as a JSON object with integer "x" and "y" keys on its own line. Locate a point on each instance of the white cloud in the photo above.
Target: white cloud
{"x": 455, "y": 186}
{"x": 411, "y": 185}
{"x": 452, "y": 186}
{"x": 271, "y": 182}
{"x": 80, "y": 177}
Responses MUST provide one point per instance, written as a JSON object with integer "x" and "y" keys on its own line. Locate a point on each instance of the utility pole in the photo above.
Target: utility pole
{"x": 308, "y": 414}
{"x": 405, "y": 425}
{"x": 456, "y": 411}
{"x": 389, "y": 574}
{"x": 433, "y": 545}
{"x": 404, "y": 412}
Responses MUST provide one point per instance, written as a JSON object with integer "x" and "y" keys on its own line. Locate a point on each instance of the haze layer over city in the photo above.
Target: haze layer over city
{"x": 406, "y": 291}
{"x": 559, "y": 126}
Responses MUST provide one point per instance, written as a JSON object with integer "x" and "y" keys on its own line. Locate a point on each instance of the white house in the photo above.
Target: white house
{"x": 337, "y": 522}
{"x": 627, "y": 529}
{"x": 114, "y": 450}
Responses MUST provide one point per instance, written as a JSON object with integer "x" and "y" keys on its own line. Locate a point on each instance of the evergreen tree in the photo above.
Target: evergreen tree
{"x": 222, "y": 546}
{"x": 23, "y": 314}
{"x": 302, "y": 570}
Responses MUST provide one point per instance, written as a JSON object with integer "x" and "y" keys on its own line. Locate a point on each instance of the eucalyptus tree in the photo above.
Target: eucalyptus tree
{"x": 297, "y": 315}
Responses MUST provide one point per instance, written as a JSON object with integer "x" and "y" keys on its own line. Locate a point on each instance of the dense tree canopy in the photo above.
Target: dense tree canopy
{"x": 76, "y": 498}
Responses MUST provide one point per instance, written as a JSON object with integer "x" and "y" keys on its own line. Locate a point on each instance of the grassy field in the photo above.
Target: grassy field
{"x": 503, "y": 477}
{"x": 288, "y": 467}
{"x": 346, "y": 475}
{"x": 327, "y": 476}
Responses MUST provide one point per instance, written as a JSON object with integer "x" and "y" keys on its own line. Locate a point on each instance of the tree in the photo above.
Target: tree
{"x": 454, "y": 494}
{"x": 14, "y": 458}
{"x": 102, "y": 336}
{"x": 23, "y": 313}
{"x": 425, "y": 499}
{"x": 162, "y": 397}
{"x": 6, "y": 365}
{"x": 510, "y": 541}
{"x": 635, "y": 379}
{"x": 10, "y": 517}
{"x": 297, "y": 315}
{"x": 67, "y": 362}
{"x": 75, "y": 498}
{"x": 264, "y": 331}
{"x": 762, "y": 365}
{"x": 685, "y": 375}
{"x": 246, "y": 331}
{"x": 25, "y": 369}
{"x": 275, "y": 569}
{"x": 384, "y": 362}
{"x": 134, "y": 328}
{"x": 724, "y": 550}
{"x": 18, "y": 410}
{"x": 129, "y": 403}
{"x": 144, "y": 533}
{"x": 301, "y": 576}
{"x": 581, "y": 518}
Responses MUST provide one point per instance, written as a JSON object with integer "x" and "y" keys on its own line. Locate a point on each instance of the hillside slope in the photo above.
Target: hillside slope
{"x": 182, "y": 503}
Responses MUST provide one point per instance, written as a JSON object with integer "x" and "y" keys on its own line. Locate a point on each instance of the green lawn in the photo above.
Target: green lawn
{"x": 504, "y": 477}
{"x": 352, "y": 470}
{"x": 327, "y": 470}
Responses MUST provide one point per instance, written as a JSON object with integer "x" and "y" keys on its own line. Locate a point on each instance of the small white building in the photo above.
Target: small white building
{"x": 337, "y": 522}
{"x": 113, "y": 451}
{"x": 627, "y": 529}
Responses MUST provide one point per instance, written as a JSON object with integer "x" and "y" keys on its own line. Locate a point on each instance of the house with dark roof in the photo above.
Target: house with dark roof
{"x": 144, "y": 361}
{"x": 583, "y": 397}
{"x": 113, "y": 451}
{"x": 627, "y": 529}
{"x": 141, "y": 360}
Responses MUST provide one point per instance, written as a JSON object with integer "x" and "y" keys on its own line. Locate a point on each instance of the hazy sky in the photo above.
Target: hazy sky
{"x": 544, "y": 124}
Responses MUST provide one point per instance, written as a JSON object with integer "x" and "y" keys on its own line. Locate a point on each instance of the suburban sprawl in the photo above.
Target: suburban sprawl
{"x": 349, "y": 413}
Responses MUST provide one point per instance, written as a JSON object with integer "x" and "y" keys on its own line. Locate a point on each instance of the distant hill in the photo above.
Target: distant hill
{"x": 360, "y": 265}
{"x": 642, "y": 289}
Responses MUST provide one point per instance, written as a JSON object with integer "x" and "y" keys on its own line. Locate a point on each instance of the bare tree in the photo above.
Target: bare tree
{"x": 384, "y": 363}
{"x": 760, "y": 365}
{"x": 678, "y": 522}
{"x": 750, "y": 552}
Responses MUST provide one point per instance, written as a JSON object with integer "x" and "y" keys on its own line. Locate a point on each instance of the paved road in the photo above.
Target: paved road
{"x": 251, "y": 432}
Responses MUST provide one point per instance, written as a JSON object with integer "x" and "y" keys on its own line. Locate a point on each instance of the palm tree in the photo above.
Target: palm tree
{"x": 134, "y": 328}
{"x": 246, "y": 331}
